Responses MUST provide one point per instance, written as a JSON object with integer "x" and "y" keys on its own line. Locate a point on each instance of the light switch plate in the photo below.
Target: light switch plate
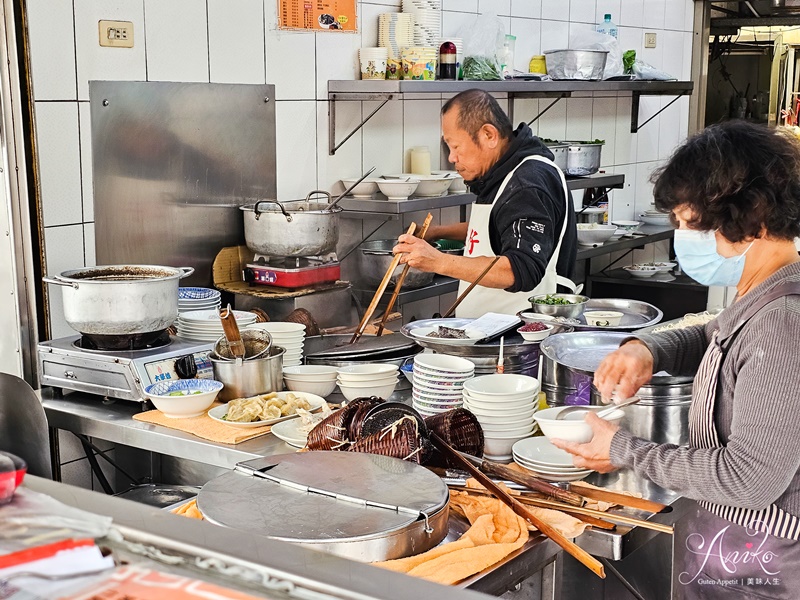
{"x": 650, "y": 40}
{"x": 116, "y": 34}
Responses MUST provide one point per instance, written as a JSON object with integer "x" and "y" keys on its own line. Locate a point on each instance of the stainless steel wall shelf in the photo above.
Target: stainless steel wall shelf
{"x": 356, "y": 90}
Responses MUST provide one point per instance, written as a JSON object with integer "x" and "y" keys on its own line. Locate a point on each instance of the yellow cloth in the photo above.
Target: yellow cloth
{"x": 495, "y": 533}
{"x": 203, "y": 427}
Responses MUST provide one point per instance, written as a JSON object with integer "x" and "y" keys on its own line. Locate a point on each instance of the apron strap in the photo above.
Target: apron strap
{"x": 791, "y": 288}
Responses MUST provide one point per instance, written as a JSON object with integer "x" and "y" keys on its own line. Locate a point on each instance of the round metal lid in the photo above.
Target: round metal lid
{"x": 317, "y": 497}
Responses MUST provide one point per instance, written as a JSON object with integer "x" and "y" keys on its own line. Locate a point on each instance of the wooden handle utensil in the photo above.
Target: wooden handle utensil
{"x": 231, "y": 330}
{"x": 531, "y": 482}
{"x": 472, "y": 285}
{"x": 570, "y": 547}
{"x": 421, "y": 234}
{"x": 379, "y": 292}
{"x": 617, "y": 498}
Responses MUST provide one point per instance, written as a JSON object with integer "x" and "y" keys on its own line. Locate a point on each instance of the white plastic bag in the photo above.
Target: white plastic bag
{"x": 592, "y": 40}
{"x": 483, "y": 39}
{"x": 643, "y": 70}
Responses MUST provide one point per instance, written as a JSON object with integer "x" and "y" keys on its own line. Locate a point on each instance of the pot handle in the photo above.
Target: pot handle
{"x": 283, "y": 210}
{"x": 58, "y": 281}
{"x": 186, "y": 272}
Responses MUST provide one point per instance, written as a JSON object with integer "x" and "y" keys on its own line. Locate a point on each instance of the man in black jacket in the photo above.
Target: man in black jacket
{"x": 523, "y": 212}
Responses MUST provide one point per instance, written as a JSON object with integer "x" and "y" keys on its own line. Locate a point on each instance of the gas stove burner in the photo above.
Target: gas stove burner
{"x": 294, "y": 262}
{"x": 137, "y": 341}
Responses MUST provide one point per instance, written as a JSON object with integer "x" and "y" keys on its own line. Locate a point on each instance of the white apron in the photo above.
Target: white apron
{"x": 483, "y": 299}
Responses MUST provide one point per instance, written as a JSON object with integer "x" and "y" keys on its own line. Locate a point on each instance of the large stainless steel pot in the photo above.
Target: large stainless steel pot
{"x": 250, "y": 377}
{"x": 583, "y": 159}
{"x": 376, "y": 256}
{"x": 580, "y": 65}
{"x": 662, "y": 414}
{"x": 559, "y": 151}
{"x": 120, "y": 299}
{"x": 297, "y": 228}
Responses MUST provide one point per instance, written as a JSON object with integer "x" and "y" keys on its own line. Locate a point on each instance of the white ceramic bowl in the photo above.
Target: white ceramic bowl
{"x": 311, "y": 373}
{"x": 655, "y": 219}
{"x": 457, "y": 186}
{"x": 279, "y": 327}
{"x": 522, "y": 430}
{"x": 573, "y": 428}
{"x": 603, "y": 318}
{"x": 628, "y": 226}
{"x": 439, "y": 384}
{"x": 381, "y": 391}
{"x": 369, "y": 372}
{"x": 535, "y": 336}
{"x": 444, "y": 365}
{"x": 429, "y": 185}
{"x": 378, "y": 381}
{"x": 502, "y": 387}
{"x": 511, "y": 407}
{"x": 493, "y": 417}
{"x": 318, "y": 388}
{"x": 509, "y": 425}
{"x": 398, "y": 190}
{"x": 641, "y": 272}
{"x": 594, "y": 235}
{"x": 366, "y": 188}
{"x": 186, "y": 402}
{"x": 501, "y": 445}
{"x": 438, "y": 392}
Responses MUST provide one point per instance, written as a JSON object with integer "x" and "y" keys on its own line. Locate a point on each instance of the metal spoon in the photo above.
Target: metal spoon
{"x": 601, "y": 413}
{"x": 348, "y": 190}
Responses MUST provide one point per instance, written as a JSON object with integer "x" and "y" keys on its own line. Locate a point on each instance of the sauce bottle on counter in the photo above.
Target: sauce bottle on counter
{"x": 447, "y": 61}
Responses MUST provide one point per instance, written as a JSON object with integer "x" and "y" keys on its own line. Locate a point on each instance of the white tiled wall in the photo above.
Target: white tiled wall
{"x": 237, "y": 42}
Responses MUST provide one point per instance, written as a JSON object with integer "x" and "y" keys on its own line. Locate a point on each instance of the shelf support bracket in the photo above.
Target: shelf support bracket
{"x": 549, "y": 106}
{"x": 635, "y": 125}
{"x": 332, "y": 145}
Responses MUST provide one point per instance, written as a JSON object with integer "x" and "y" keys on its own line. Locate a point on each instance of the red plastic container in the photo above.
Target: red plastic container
{"x": 12, "y": 472}
{"x": 293, "y": 277}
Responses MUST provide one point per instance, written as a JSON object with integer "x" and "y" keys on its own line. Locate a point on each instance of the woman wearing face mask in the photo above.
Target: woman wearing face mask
{"x": 734, "y": 192}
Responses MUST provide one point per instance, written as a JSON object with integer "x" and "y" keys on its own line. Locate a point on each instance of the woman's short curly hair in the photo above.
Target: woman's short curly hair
{"x": 737, "y": 177}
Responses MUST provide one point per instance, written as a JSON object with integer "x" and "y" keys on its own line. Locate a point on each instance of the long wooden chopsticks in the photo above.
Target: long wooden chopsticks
{"x": 531, "y": 482}
{"x": 400, "y": 280}
{"x": 379, "y": 292}
{"x": 472, "y": 285}
{"x": 617, "y": 498}
{"x": 570, "y": 547}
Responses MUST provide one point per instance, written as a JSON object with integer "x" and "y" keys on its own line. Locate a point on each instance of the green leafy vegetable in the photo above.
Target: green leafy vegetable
{"x": 481, "y": 68}
{"x": 628, "y": 58}
{"x": 551, "y": 299}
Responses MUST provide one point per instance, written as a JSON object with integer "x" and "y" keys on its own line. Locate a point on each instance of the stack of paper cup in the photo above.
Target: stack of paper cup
{"x": 427, "y": 20}
{"x": 395, "y": 32}
{"x": 373, "y": 62}
{"x": 420, "y": 62}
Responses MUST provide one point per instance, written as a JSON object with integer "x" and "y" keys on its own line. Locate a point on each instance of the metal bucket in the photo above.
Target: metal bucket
{"x": 250, "y": 377}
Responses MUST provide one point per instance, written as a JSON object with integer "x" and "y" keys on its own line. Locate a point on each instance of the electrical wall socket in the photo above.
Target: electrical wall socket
{"x": 116, "y": 34}
{"x": 649, "y": 40}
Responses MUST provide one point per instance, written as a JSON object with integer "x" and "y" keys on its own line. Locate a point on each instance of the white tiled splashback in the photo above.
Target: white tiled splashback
{"x": 237, "y": 42}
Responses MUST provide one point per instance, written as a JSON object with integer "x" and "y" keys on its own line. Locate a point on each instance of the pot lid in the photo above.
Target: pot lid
{"x": 374, "y": 347}
{"x": 316, "y": 497}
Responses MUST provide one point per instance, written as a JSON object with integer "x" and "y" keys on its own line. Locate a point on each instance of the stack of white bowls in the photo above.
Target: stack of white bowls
{"x": 438, "y": 382}
{"x": 289, "y": 336}
{"x": 197, "y": 298}
{"x": 395, "y": 32}
{"x": 543, "y": 459}
{"x": 205, "y": 325}
{"x": 427, "y": 20}
{"x": 504, "y": 406}
{"x": 655, "y": 217}
{"x": 359, "y": 381}
{"x": 312, "y": 379}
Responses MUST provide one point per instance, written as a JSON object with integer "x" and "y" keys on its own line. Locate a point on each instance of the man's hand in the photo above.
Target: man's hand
{"x": 624, "y": 370}
{"x": 419, "y": 254}
{"x": 596, "y": 453}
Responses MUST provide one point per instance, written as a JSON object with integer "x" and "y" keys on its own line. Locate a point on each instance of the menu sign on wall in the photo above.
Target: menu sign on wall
{"x": 328, "y": 15}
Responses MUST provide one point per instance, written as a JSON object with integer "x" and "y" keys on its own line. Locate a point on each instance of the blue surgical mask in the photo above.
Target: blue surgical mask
{"x": 698, "y": 257}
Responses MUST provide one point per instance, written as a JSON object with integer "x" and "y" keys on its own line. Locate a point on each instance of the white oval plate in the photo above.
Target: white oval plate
{"x": 539, "y": 450}
{"x": 289, "y": 432}
{"x": 218, "y": 412}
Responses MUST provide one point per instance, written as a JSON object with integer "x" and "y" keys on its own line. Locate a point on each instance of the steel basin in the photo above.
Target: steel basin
{"x": 375, "y": 258}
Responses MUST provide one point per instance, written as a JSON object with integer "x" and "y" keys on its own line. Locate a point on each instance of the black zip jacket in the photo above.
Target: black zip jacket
{"x": 526, "y": 221}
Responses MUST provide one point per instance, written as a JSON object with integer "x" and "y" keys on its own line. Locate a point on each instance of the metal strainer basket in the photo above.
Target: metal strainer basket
{"x": 257, "y": 342}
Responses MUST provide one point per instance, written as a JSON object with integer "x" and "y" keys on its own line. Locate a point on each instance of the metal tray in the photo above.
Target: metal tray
{"x": 469, "y": 347}
{"x": 637, "y": 314}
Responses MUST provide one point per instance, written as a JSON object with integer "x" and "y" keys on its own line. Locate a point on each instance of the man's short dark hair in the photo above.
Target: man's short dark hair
{"x": 477, "y": 108}
{"x": 737, "y": 177}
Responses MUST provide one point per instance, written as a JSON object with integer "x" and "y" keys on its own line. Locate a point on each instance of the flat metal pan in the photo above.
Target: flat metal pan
{"x": 637, "y": 314}
{"x": 375, "y": 347}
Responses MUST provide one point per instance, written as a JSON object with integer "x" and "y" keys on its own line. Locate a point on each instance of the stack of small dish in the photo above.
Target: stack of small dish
{"x": 438, "y": 382}
{"x": 197, "y": 298}
{"x": 641, "y": 271}
{"x": 504, "y": 406}
{"x": 358, "y": 381}
{"x": 427, "y": 20}
{"x": 289, "y": 336}
{"x": 655, "y": 217}
{"x": 547, "y": 462}
{"x": 314, "y": 379}
{"x": 205, "y": 325}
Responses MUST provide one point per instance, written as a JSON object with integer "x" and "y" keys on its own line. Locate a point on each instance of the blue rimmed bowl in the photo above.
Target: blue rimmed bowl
{"x": 183, "y": 398}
